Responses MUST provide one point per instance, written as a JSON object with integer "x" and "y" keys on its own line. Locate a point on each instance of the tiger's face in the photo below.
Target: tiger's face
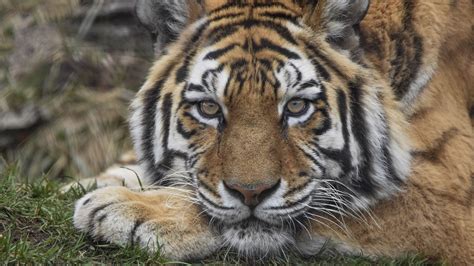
{"x": 269, "y": 122}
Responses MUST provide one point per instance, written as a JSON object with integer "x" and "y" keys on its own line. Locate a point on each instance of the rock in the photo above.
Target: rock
{"x": 33, "y": 45}
{"x": 16, "y": 125}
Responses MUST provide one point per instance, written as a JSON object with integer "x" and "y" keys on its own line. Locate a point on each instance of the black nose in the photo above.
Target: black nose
{"x": 251, "y": 194}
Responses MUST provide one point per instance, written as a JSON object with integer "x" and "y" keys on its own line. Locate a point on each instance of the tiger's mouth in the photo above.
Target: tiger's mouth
{"x": 253, "y": 221}
{"x": 276, "y": 210}
{"x": 253, "y": 224}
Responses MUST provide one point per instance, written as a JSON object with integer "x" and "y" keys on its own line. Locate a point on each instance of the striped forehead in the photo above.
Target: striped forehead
{"x": 210, "y": 76}
{"x": 258, "y": 38}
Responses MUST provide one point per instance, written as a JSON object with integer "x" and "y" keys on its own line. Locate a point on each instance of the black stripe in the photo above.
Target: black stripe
{"x": 241, "y": 4}
{"x": 195, "y": 87}
{"x": 94, "y": 212}
{"x": 224, "y": 31}
{"x": 363, "y": 182}
{"x": 208, "y": 188}
{"x": 265, "y": 63}
{"x": 182, "y": 72}
{"x": 297, "y": 188}
{"x": 181, "y": 130}
{"x": 133, "y": 232}
{"x": 166, "y": 114}
{"x": 299, "y": 202}
{"x": 434, "y": 152}
{"x": 150, "y": 101}
{"x": 392, "y": 174}
{"x": 343, "y": 156}
{"x": 308, "y": 84}
{"x": 321, "y": 70}
{"x": 280, "y": 15}
{"x": 190, "y": 116}
{"x": 329, "y": 63}
{"x": 299, "y": 75}
{"x": 163, "y": 167}
{"x": 191, "y": 50}
{"x": 406, "y": 64}
{"x": 215, "y": 72}
{"x": 281, "y": 30}
{"x": 196, "y": 36}
{"x": 204, "y": 77}
{"x": 216, "y": 18}
{"x": 193, "y": 146}
{"x": 193, "y": 159}
{"x": 326, "y": 125}
{"x": 342, "y": 105}
{"x": 312, "y": 159}
{"x": 214, "y": 204}
{"x": 239, "y": 64}
{"x": 227, "y": 83}
{"x": 238, "y": 80}
{"x": 267, "y": 44}
{"x": 157, "y": 170}
{"x": 219, "y": 52}
{"x": 101, "y": 218}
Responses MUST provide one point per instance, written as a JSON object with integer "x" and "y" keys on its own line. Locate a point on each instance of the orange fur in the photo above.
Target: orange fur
{"x": 434, "y": 215}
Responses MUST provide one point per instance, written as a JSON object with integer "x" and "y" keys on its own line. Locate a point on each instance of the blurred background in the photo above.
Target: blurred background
{"x": 68, "y": 70}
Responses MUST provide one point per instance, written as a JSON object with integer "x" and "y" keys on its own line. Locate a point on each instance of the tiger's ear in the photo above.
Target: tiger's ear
{"x": 166, "y": 19}
{"x": 338, "y": 18}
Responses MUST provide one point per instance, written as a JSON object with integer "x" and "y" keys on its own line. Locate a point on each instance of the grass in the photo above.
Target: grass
{"x": 79, "y": 86}
{"x": 36, "y": 227}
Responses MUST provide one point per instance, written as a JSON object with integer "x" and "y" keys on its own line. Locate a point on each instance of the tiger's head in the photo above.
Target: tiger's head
{"x": 269, "y": 112}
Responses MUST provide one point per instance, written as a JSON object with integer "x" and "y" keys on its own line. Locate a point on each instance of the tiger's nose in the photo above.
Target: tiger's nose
{"x": 251, "y": 194}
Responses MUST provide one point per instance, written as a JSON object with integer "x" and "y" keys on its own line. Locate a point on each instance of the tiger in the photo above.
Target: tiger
{"x": 267, "y": 127}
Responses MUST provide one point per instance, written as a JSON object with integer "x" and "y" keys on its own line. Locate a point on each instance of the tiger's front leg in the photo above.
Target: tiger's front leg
{"x": 165, "y": 220}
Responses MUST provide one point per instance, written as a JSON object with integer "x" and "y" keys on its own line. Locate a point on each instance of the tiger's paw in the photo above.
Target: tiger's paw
{"x": 163, "y": 220}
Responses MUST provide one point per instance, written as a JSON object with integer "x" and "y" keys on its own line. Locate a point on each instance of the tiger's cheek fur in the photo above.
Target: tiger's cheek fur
{"x": 198, "y": 135}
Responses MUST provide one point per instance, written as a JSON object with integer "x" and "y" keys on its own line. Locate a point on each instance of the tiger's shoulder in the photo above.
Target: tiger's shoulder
{"x": 405, "y": 39}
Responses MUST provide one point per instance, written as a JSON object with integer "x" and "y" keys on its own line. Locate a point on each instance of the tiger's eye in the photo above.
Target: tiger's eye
{"x": 209, "y": 108}
{"x": 296, "y": 106}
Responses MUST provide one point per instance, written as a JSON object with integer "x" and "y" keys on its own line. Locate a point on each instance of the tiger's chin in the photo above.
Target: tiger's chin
{"x": 254, "y": 238}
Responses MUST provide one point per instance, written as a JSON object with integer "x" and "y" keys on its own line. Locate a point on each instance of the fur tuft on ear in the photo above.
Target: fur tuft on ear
{"x": 164, "y": 19}
{"x": 339, "y": 19}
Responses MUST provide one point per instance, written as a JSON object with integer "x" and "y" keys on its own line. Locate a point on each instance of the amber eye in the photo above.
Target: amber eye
{"x": 296, "y": 107}
{"x": 209, "y": 109}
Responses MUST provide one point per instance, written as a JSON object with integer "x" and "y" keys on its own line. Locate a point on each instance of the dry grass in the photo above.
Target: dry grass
{"x": 79, "y": 83}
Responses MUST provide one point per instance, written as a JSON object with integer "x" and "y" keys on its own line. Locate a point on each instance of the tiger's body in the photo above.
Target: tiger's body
{"x": 274, "y": 125}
